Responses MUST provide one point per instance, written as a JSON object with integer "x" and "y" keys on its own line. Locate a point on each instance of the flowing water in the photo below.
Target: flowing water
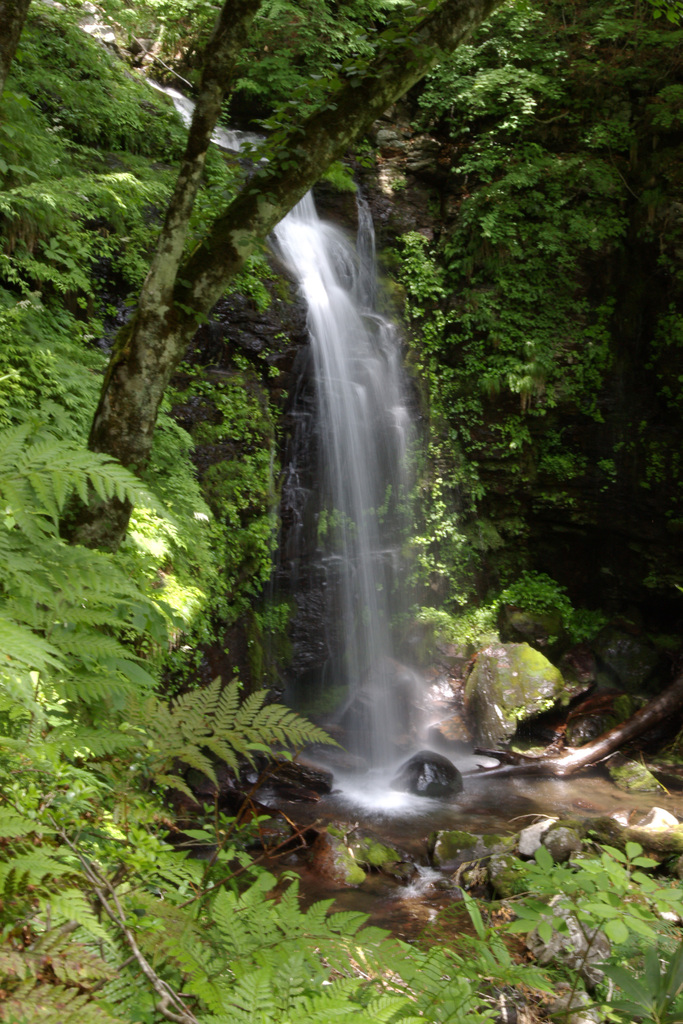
{"x": 364, "y": 432}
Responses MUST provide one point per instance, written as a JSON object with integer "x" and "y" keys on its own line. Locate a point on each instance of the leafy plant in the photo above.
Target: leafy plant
{"x": 214, "y": 722}
{"x": 655, "y": 996}
{"x": 611, "y": 891}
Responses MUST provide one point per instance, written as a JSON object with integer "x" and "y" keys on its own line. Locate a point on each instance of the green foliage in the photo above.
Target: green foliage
{"x": 47, "y": 374}
{"x": 611, "y": 892}
{"x": 537, "y": 592}
{"x": 511, "y": 315}
{"x": 239, "y": 488}
{"x": 88, "y": 97}
{"x": 655, "y": 996}
{"x": 56, "y": 600}
{"x": 102, "y": 902}
{"x": 672, "y": 10}
{"x": 295, "y": 47}
{"x": 213, "y": 722}
{"x": 71, "y": 213}
{"x": 474, "y": 628}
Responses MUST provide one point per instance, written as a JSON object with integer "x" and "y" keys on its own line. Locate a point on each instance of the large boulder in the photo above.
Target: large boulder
{"x": 510, "y": 683}
{"x": 428, "y": 774}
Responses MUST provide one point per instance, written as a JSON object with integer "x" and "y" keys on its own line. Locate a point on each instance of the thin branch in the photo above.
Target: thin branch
{"x": 167, "y": 996}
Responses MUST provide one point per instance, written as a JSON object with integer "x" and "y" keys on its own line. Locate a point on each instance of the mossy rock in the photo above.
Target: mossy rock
{"x": 507, "y": 875}
{"x": 633, "y": 776}
{"x": 449, "y": 845}
{"x": 371, "y": 854}
{"x": 510, "y": 683}
{"x": 332, "y": 859}
{"x": 454, "y": 848}
{"x": 660, "y": 844}
{"x": 367, "y": 851}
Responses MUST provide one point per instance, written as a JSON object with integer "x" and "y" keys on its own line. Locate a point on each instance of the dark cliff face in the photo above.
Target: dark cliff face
{"x": 557, "y": 370}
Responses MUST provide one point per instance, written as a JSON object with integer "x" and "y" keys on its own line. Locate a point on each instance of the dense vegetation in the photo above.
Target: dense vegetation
{"x": 104, "y": 919}
{"x": 547, "y": 306}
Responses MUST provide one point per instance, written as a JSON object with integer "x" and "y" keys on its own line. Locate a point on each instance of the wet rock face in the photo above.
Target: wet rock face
{"x": 428, "y": 774}
{"x": 631, "y": 660}
{"x": 510, "y": 683}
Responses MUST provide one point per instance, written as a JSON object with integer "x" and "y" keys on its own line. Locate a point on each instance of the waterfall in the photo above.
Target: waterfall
{"x": 364, "y": 432}
{"x": 364, "y": 429}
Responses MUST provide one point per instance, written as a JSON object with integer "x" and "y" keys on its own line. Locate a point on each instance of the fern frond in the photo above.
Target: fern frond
{"x": 21, "y": 645}
{"x": 13, "y": 824}
{"x": 71, "y": 905}
{"x": 55, "y": 1004}
{"x": 248, "y": 711}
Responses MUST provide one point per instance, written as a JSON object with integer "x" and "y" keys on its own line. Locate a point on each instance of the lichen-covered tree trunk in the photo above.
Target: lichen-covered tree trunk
{"x": 12, "y": 18}
{"x": 151, "y": 346}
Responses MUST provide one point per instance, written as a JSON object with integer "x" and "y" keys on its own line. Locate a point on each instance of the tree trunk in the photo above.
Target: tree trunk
{"x": 12, "y": 18}
{"x": 574, "y": 759}
{"x": 139, "y": 373}
{"x": 150, "y": 347}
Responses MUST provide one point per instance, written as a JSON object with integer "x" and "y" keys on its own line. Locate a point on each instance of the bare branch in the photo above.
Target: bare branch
{"x": 112, "y": 907}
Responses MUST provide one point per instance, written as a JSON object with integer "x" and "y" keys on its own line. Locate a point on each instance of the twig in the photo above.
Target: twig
{"x": 167, "y": 996}
{"x": 148, "y": 53}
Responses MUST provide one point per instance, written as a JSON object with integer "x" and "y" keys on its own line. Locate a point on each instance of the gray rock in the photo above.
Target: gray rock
{"x": 531, "y": 838}
{"x": 561, "y": 843}
{"x": 658, "y": 819}
{"x": 579, "y": 950}
{"x": 578, "y": 1005}
{"x": 428, "y": 774}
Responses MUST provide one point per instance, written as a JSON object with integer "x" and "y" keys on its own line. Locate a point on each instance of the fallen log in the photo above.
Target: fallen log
{"x": 574, "y": 759}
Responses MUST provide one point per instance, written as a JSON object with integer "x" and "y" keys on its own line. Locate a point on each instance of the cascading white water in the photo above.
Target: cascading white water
{"x": 364, "y": 428}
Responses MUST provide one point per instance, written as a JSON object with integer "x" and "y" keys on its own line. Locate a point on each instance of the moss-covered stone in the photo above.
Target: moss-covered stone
{"x": 664, "y": 843}
{"x": 449, "y": 846}
{"x": 371, "y": 854}
{"x": 507, "y": 875}
{"x": 331, "y": 858}
{"x": 509, "y": 684}
{"x": 633, "y": 775}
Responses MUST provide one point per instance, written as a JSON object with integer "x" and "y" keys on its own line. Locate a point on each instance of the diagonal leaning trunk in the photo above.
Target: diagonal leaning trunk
{"x": 151, "y": 346}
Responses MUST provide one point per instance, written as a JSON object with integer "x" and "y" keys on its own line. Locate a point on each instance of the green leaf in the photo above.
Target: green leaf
{"x": 616, "y": 930}
{"x": 544, "y": 859}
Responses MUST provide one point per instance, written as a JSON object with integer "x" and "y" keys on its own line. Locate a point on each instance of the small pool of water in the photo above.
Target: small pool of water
{"x": 486, "y": 805}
